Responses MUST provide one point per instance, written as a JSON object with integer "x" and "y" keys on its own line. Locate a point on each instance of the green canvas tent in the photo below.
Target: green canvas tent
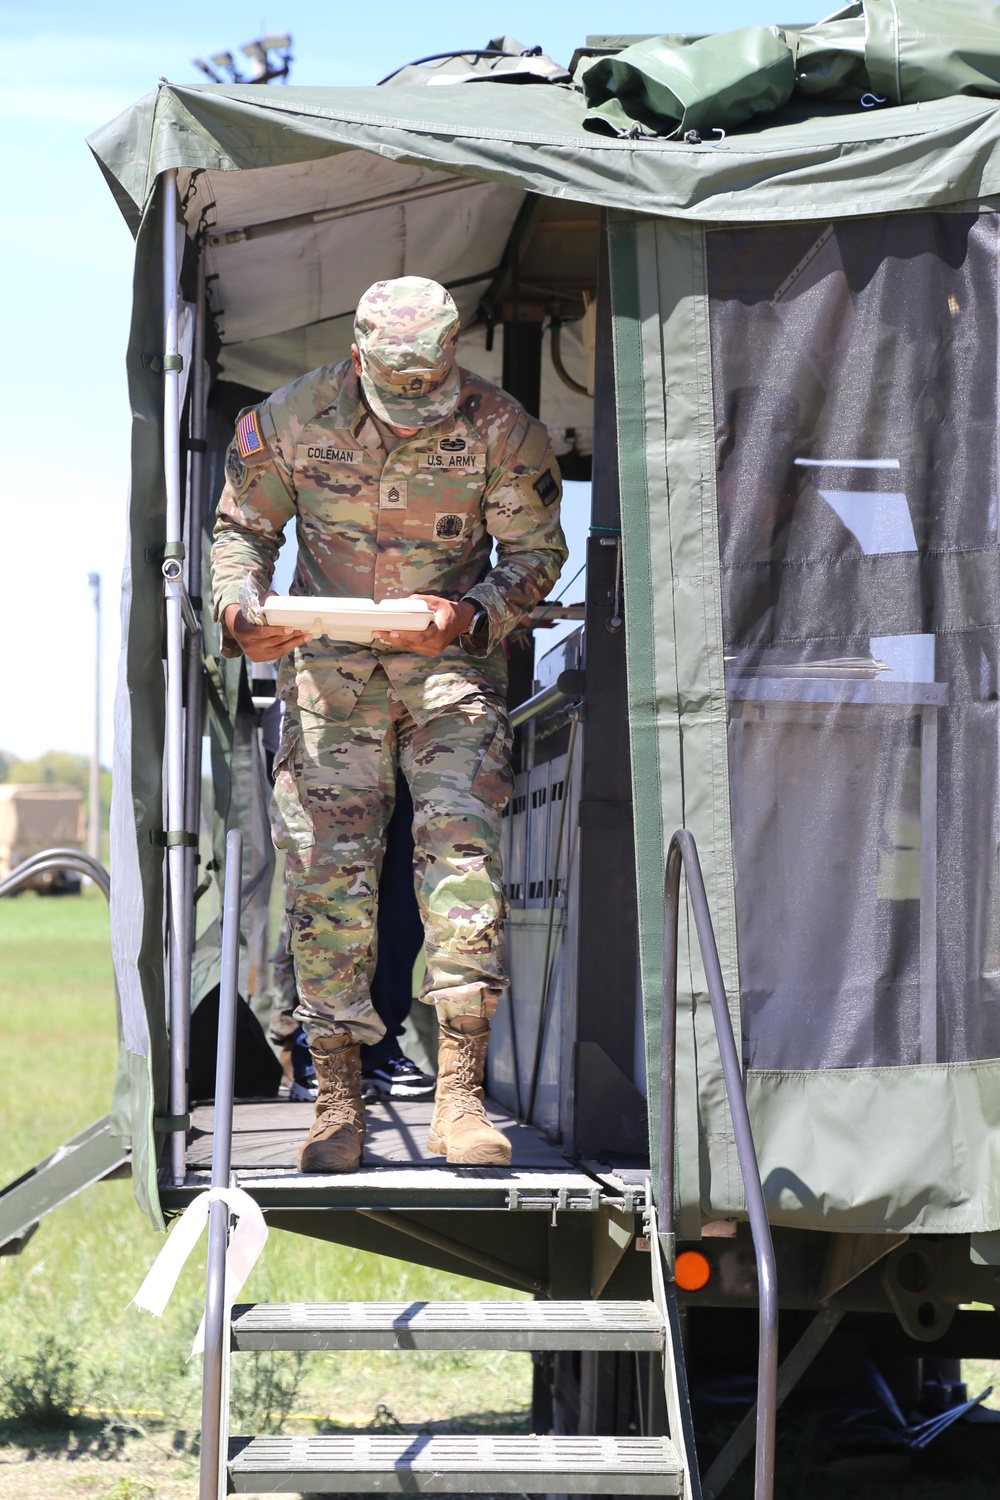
{"x": 803, "y": 316}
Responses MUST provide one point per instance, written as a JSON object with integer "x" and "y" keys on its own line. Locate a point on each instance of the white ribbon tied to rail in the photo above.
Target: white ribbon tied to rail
{"x": 244, "y": 1248}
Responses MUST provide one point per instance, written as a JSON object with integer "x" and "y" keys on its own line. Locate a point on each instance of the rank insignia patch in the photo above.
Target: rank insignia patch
{"x": 249, "y": 438}
{"x": 447, "y": 528}
{"x": 392, "y": 494}
{"x": 546, "y": 488}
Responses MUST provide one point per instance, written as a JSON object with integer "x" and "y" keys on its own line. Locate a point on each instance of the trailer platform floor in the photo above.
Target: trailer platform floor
{"x": 267, "y": 1134}
{"x": 397, "y": 1171}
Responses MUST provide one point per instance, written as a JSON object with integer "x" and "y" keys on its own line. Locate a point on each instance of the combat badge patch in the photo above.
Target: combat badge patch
{"x": 447, "y": 528}
{"x": 546, "y": 487}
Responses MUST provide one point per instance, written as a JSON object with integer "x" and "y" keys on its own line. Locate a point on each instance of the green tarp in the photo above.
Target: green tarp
{"x": 833, "y": 164}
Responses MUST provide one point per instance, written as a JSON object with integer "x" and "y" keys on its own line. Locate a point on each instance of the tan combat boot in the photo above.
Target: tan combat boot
{"x": 459, "y": 1127}
{"x": 335, "y": 1141}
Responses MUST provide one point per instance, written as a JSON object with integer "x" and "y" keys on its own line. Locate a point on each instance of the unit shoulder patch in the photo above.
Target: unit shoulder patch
{"x": 237, "y": 473}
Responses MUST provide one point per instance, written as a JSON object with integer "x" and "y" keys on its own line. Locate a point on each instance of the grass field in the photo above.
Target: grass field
{"x": 98, "y": 1399}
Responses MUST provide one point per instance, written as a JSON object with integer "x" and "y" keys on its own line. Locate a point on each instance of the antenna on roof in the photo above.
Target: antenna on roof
{"x": 270, "y": 58}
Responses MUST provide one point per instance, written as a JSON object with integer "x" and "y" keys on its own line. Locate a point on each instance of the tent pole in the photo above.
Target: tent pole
{"x": 193, "y": 685}
{"x": 173, "y": 579}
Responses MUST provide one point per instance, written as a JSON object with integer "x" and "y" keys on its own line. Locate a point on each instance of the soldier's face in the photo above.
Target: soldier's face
{"x": 403, "y": 432}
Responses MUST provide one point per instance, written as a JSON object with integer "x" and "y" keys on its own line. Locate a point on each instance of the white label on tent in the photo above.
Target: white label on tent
{"x": 392, "y": 494}
{"x": 880, "y": 522}
{"x": 909, "y": 658}
{"x": 847, "y": 463}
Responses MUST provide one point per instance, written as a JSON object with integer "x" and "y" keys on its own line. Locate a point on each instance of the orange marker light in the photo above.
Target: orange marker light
{"x": 692, "y": 1271}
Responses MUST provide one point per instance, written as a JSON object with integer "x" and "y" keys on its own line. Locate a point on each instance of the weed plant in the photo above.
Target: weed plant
{"x": 38, "y": 1390}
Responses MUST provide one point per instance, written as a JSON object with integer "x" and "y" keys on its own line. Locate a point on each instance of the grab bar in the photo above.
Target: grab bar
{"x": 56, "y": 859}
{"x": 684, "y": 851}
{"x": 214, "y": 1395}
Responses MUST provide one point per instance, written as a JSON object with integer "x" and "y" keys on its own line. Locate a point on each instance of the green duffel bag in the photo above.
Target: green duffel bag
{"x": 667, "y": 86}
{"x": 830, "y": 56}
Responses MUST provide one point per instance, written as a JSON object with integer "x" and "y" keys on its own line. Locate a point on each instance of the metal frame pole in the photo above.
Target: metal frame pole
{"x": 173, "y": 581}
{"x": 214, "y": 1394}
{"x": 193, "y": 684}
{"x": 94, "y": 811}
{"x": 666, "y": 1184}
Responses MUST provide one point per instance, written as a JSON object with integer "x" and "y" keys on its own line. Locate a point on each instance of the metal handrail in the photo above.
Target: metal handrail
{"x": 213, "y": 1391}
{"x": 56, "y": 859}
{"x": 568, "y": 685}
{"x": 684, "y": 851}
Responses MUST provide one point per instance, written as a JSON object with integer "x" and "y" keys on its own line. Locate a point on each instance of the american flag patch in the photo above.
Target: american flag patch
{"x": 248, "y": 435}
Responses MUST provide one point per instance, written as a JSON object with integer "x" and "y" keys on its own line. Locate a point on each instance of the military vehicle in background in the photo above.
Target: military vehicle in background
{"x": 36, "y": 818}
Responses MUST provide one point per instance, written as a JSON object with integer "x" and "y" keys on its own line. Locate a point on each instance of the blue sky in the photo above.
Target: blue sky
{"x": 66, "y": 260}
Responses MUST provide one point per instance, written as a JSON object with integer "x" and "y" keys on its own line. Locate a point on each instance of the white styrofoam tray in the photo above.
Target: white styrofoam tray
{"x": 346, "y": 619}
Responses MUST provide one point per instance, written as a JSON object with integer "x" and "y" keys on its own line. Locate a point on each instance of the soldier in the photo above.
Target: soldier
{"x": 386, "y": 1071}
{"x": 402, "y": 471}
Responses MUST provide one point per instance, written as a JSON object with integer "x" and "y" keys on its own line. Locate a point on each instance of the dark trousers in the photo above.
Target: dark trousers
{"x": 400, "y": 933}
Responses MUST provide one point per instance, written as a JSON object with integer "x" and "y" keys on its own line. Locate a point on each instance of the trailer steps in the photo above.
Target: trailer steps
{"x": 633, "y": 1330}
{"x": 469, "y": 1465}
{"x": 603, "y": 1326}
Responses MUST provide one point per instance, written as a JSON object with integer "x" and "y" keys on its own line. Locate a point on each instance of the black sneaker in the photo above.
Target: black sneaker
{"x": 398, "y": 1078}
{"x": 304, "y": 1087}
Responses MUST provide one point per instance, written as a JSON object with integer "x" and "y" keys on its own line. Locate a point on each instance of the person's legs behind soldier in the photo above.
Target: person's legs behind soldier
{"x": 333, "y": 796}
{"x": 386, "y": 1071}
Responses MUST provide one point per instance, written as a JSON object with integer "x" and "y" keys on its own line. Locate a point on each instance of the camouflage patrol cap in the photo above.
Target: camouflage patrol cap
{"x": 406, "y": 331}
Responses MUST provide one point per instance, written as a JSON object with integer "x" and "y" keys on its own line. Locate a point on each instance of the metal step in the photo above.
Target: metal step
{"x": 405, "y": 1463}
{"x": 603, "y": 1326}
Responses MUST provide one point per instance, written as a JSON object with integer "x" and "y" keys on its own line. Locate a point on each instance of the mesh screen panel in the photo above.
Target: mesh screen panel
{"x": 855, "y": 392}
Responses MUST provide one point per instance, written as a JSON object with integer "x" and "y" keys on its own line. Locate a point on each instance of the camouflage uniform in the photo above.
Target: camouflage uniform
{"x": 380, "y": 524}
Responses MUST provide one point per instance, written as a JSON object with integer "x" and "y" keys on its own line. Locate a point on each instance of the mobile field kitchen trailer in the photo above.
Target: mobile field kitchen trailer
{"x": 751, "y": 284}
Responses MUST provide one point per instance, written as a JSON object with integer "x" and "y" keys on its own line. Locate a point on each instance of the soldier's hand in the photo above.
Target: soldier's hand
{"x": 262, "y": 642}
{"x": 450, "y": 621}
